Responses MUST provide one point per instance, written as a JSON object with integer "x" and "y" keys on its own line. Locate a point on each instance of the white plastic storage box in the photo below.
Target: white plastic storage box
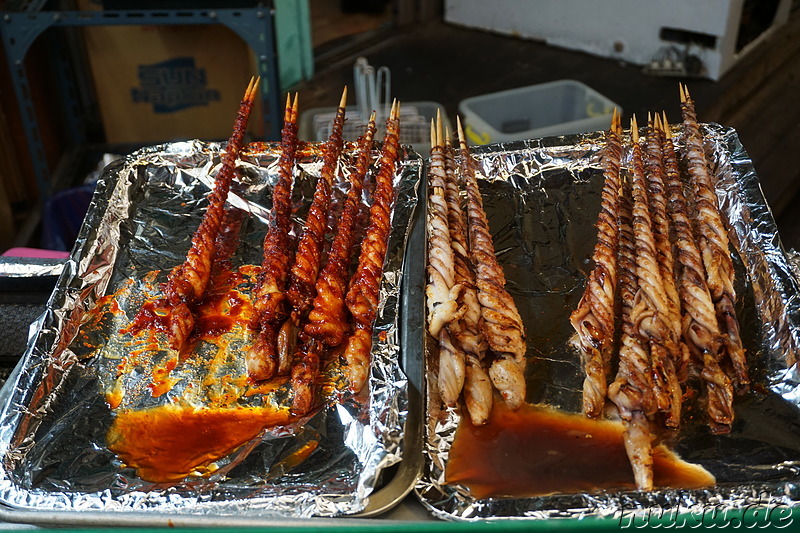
{"x": 717, "y": 32}
{"x": 555, "y": 108}
{"x": 415, "y": 124}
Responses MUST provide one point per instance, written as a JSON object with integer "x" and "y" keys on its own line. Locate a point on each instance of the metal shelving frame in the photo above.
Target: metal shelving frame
{"x": 22, "y": 27}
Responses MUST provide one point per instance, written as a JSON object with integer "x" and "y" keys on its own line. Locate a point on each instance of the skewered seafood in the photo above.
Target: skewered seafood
{"x": 211, "y": 384}
{"x": 700, "y": 329}
{"x": 442, "y": 289}
{"x": 308, "y": 256}
{"x": 652, "y": 308}
{"x": 262, "y": 358}
{"x": 187, "y": 282}
{"x": 362, "y": 294}
{"x": 308, "y": 259}
{"x": 593, "y": 319}
{"x": 465, "y": 330}
{"x": 632, "y": 390}
{"x": 327, "y": 322}
{"x": 712, "y": 239}
{"x": 668, "y": 319}
{"x": 502, "y": 325}
{"x": 654, "y": 174}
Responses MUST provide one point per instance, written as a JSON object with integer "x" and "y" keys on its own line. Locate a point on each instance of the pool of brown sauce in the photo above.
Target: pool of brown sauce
{"x": 537, "y": 451}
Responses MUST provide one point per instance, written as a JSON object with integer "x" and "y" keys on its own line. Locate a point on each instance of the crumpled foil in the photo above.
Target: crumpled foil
{"x": 54, "y": 416}
{"x": 22, "y": 267}
{"x": 542, "y": 198}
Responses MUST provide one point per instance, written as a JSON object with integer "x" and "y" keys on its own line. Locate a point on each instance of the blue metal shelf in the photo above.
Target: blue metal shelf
{"x": 20, "y": 29}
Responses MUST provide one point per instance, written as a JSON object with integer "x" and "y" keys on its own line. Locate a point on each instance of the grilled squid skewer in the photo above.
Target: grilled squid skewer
{"x": 187, "y": 282}
{"x": 593, "y": 319}
{"x": 262, "y": 358}
{"x": 654, "y": 177}
{"x": 308, "y": 257}
{"x": 363, "y": 292}
{"x": 712, "y": 239}
{"x": 700, "y": 327}
{"x": 652, "y": 308}
{"x": 632, "y": 390}
{"x": 327, "y": 322}
{"x": 502, "y": 324}
{"x": 466, "y": 331}
{"x": 442, "y": 289}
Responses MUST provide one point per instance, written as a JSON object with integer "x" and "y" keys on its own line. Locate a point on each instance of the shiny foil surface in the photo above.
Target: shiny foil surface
{"x": 140, "y": 223}
{"x": 542, "y": 198}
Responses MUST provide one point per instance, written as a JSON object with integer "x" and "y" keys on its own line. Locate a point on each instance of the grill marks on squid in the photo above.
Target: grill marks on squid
{"x": 674, "y": 292}
{"x": 187, "y": 282}
{"x": 363, "y": 291}
{"x": 262, "y": 358}
{"x": 712, "y": 237}
{"x": 653, "y": 310}
{"x": 701, "y": 332}
{"x": 328, "y": 321}
{"x": 632, "y": 389}
{"x": 466, "y": 330}
{"x": 443, "y": 289}
{"x": 473, "y": 318}
{"x": 502, "y": 324}
{"x": 306, "y": 307}
{"x": 593, "y": 319}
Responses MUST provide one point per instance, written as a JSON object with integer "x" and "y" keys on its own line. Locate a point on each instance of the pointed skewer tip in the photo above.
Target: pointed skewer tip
{"x": 250, "y": 93}
{"x": 667, "y": 130}
{"x": 634, "y": 129}
{"x": 439, "y": 128}
{"x": 462, "y": 140}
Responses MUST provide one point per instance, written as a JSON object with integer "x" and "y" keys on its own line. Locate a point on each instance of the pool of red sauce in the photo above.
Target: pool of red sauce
{"x": 170, "y": 442}
{"x": 166, "y": 443}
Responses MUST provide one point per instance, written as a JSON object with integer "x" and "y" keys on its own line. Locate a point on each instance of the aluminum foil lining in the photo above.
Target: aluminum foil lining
{"x": 54, "y": 417}
{"x": 29, "y": 267}
{"x": 542, "y": 198}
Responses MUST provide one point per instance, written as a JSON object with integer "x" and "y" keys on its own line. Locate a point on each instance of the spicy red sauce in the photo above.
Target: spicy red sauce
{"x": 167, "y": 443}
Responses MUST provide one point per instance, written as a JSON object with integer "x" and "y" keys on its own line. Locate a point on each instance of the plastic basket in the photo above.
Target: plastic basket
{"x": 555, "y": 108}
{"x": 415, "y": 124}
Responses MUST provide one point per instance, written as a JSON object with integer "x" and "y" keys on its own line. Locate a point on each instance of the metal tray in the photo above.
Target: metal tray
{"x": 542, "y": 199}
{"x": 391, "y": 482}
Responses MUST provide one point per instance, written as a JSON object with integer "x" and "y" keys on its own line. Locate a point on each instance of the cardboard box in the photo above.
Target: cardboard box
{"x": 165, "y": 83}
{"x": 636, "y": 31}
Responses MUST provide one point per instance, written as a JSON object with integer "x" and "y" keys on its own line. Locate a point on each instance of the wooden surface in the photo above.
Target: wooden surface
{"x": 444, "y": 63}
